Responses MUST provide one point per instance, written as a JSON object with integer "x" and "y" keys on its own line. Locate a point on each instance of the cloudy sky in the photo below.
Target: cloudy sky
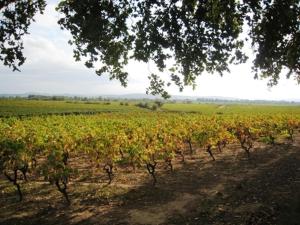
{"x": 50, "y": 68}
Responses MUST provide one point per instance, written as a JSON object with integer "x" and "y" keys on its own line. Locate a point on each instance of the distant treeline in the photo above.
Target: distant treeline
{"x": 96, "y": 99}
{"x": 244, "y": 101}
{"x": 54, "y": 98}
{"x": 65, "y": 98}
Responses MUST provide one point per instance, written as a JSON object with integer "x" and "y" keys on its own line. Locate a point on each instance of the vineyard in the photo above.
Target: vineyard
{"x": 52, "y": 149}
{"x": 22, "y": 107}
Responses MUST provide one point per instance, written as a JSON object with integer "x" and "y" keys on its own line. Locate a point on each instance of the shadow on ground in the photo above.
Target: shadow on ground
{"x": 230, "y": 190}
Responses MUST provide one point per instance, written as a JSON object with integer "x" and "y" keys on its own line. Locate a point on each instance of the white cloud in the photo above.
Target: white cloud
{"x": 44, "y": 54}
{"x": 49, "y": 17}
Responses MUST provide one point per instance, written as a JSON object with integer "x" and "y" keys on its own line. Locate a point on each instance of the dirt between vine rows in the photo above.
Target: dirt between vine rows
{"x": 231, "y": 190}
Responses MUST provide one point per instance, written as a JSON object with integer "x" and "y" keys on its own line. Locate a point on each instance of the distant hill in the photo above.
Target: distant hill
{"x": 137, "y": 96}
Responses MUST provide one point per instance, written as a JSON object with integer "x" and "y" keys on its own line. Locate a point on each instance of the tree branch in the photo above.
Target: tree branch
{"x": 5, "y": 3}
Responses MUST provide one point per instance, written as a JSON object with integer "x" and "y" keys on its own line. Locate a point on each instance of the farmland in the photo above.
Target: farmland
{"x": 221, "y": 164}
{"x": 20, "y": 107}
{"x": 42, "y": 107}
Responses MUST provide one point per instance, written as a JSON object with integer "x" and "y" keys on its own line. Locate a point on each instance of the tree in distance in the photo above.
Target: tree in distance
{"x": 198, "y": 35}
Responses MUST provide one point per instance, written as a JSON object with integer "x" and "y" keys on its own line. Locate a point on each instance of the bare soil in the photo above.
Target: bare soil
{"x": 262, "y": 190}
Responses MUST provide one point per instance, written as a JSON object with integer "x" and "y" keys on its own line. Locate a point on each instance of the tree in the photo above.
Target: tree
{"x": 198, "y": 35}
{"x": 15, "y": 18}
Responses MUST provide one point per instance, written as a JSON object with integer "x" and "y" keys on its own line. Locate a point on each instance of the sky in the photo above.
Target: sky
{"x": 51, "y": 69}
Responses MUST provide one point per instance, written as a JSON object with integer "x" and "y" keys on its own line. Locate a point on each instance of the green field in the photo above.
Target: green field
{"x": 20, "y": 107}
{"x": 10, "y": 107}
{"x": 231, "y": 108}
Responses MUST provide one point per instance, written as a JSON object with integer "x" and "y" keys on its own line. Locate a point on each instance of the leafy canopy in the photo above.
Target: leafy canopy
{"x": 195, "y": 35}
{"x": 15, "y": 18}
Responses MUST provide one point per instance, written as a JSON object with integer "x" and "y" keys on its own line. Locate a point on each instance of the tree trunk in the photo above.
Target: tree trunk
{"x": 63, "y": 190}
{"x": 151, "y": 170}
{"x": 14, "y": 181}
{"x": 191, "y": 147}
{"x": 210, "y": 152}
{"x": 109, "y": 171}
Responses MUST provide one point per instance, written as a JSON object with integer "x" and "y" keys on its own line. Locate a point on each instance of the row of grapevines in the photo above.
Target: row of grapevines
{"x": 43, "y": 146}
